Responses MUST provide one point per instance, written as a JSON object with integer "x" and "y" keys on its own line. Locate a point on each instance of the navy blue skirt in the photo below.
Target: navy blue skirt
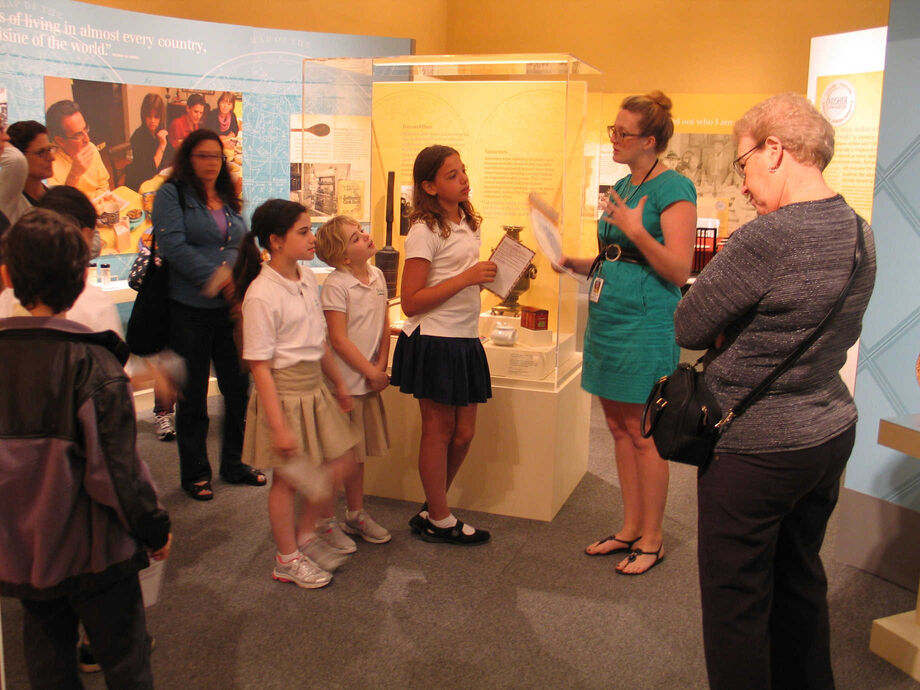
{"x": 450, "y": 371}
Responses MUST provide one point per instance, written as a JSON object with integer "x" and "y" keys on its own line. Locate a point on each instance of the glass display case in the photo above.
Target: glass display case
{"x": 518, "y": 122}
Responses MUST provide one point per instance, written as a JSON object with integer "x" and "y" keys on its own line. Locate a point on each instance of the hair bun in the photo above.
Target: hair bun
{"x": 659, "y": 99}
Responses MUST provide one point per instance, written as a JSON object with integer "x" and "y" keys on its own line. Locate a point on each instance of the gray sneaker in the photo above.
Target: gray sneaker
{"x": 318, "y": 551}
{"x": 165, "y": 429}
{"x": 331, "y": 532}
{"x": 364, "y": 526}
{"x": 302, "y": 572}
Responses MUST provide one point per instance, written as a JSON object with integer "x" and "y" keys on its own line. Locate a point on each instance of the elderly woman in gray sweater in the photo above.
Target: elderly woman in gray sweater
{"x": 765, "y": 499}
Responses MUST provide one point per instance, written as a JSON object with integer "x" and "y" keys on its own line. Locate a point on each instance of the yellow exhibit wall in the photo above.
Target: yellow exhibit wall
{"x": 689, "y": 47}
{"x": 514, "y": 138}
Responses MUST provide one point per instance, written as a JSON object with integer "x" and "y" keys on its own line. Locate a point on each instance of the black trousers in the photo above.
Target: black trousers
{"x": 762, "y": 520}
{"x": 114, "y": 620}
{"x": 202, "y": 336}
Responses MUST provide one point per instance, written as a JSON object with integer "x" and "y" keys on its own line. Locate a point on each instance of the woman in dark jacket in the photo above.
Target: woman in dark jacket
{"x": 198, "y": 226}
{"x": 149, "y": 144}
{"x": 222, "y": 119}
{"x": 765, "y": 499}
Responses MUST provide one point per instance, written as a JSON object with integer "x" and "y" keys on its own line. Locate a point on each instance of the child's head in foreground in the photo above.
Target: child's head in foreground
{"x": 44, "y": 260}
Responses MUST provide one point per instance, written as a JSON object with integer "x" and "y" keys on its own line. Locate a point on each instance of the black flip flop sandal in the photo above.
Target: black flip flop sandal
{"x": 639, "y": 552}
{"x": 628, "y": 546}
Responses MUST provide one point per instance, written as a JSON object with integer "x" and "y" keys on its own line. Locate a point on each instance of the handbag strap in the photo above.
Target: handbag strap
{"x": 762, "y": 387}
{"x": 181, "y": 196}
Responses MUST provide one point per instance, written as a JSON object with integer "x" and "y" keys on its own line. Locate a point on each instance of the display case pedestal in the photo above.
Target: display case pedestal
{"x": 528, "y": 455}
{"x": 897, "y": 638}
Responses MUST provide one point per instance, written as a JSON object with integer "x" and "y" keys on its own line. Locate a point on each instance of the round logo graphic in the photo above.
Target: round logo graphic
{"x": 839, "y": 102}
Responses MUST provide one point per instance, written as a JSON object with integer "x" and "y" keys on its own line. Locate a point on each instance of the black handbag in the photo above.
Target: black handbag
{"x": 148, "y": 325}
{"x": 682, "y": 415}
{"x": 139, "y": 268}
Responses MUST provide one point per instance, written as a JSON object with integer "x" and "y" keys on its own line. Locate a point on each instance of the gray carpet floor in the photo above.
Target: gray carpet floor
{"x": 527, "y": 610}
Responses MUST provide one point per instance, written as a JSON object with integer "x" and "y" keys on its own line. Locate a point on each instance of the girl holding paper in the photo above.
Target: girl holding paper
{"x": 438, "y": 356}
{"x": 646, "y": 237}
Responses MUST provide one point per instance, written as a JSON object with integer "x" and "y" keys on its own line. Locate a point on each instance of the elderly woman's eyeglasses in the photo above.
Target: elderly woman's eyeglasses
{"x": 741, "y": 161}
{"x": 618, "y": 134}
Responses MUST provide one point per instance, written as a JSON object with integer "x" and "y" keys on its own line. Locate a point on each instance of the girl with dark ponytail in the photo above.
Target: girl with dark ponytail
{"x": 294, "y": 423}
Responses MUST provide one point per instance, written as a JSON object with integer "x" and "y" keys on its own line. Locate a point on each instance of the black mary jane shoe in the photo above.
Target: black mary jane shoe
{"x": 453, "y": 535}
{"x": 200, "y": 491}
{"x": 250, "y": 477}
{"x": 417, "y": 521}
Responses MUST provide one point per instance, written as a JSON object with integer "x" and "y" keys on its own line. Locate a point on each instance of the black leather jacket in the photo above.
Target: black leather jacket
{"x": 77, "y": 504}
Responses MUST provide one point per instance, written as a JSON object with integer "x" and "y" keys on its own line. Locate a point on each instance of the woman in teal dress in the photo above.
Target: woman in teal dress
{"x": 646, "y": 237}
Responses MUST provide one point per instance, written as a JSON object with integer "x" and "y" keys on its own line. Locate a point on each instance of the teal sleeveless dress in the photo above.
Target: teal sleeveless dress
{"x": 629, "y": 339}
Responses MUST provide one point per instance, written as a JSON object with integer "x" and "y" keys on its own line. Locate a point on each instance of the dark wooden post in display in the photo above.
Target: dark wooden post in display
{"x": 387, "y": 259}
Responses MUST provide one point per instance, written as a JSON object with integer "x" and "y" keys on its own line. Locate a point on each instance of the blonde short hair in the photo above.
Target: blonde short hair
{"x": 790, "y": 117}
{"x": 332, "y": 239}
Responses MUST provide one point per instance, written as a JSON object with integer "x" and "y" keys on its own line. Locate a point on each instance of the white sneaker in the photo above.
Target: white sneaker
{"x": 302, "y": 572}
{"x": 318, "y": 551}
{"x": 165, "y": 429}
{"x": 364, "y": 526}
{"x": 331, "y": 532}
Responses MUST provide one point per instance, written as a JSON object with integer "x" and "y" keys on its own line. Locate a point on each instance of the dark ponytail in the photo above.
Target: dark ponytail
{"x": 247, "y": 266}
{"x": 274, "y": 217}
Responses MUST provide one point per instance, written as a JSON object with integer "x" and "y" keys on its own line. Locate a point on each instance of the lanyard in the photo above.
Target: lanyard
{"x": 603, "y": 248}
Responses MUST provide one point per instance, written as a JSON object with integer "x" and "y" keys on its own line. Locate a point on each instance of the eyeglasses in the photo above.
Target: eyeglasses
{"x": 41, "y": 153}
{"x": 618, "y": 134}
{"x": 209, "y": 156}
{"x": 738, "y": 164}
{"x": 77, "y": 136}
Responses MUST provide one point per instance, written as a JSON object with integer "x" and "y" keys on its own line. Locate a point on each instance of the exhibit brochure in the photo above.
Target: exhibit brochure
{"x": 544, "y": 219}
{"x": 511, "y": 258}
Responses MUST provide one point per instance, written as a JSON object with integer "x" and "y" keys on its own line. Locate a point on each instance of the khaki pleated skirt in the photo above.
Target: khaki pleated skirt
{"x": 312, "y": 413}
{"x": 369, "y": 419}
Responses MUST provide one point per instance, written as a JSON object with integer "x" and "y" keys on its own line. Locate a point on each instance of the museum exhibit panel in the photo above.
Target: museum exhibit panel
{"x": 518, "y": 122}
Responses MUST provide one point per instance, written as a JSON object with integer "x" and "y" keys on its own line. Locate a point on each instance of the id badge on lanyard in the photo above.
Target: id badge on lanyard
{"x": 596, "y": 286}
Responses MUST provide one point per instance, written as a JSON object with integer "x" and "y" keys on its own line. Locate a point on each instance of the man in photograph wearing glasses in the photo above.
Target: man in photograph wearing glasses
{"x": 77, "y": 161}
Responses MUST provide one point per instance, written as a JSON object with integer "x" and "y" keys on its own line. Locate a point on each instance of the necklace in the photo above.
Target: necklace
{"x": 633, "y": 193}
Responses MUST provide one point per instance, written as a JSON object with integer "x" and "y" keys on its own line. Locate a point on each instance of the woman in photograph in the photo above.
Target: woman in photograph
{"x": 149, "y": 143}
{"x": 646, "y": 236}
{"x": 198, "y": 226}
{"x": 31, "y": 138}
{"x": 222, "y": 119}
{"x": 765, "y": 499}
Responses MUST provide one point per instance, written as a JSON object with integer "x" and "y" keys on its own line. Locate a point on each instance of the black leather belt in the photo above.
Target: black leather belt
{"x": 614, "y": 252}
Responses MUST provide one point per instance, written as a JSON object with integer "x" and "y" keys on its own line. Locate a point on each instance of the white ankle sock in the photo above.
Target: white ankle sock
{"x": 352, "y": 514}
{"x": 450, "y": 521}
{"x": 287, "y": 557}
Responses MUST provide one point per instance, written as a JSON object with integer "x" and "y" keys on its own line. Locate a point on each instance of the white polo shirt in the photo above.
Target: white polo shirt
{"x": 283, "y": 320}
{"x": 365, "y": 308}
{"x": 457, "y": 317}
{"x": 93, "y": 308}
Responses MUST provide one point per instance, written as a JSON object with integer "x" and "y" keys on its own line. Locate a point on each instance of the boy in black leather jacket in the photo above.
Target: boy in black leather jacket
{"x": 77, "y": 505}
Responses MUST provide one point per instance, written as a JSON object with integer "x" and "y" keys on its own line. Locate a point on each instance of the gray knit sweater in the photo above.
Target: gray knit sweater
{"x": 766, "y": 291}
